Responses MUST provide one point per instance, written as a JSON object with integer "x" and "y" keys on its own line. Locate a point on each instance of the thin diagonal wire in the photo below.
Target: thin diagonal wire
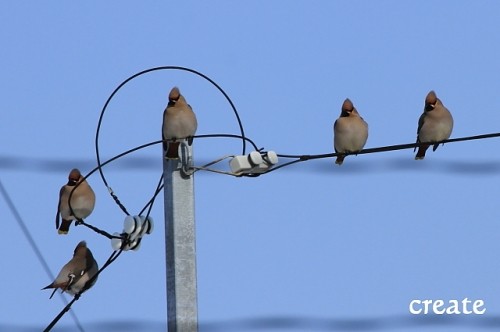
{"x": 97, "y": 230}
{"x": 150, "y": 203}
{"x": 205, "y": 167}
{"x": 218, "y": 160}
{"x": 198, "y": 168}
{"x": 34, "y": 246}
{"x": 99, "y": 167}
{"x": 114, "y": 255}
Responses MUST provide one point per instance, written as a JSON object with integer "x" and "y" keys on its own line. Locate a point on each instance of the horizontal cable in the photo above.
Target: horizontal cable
{"x": 389, "y": 147}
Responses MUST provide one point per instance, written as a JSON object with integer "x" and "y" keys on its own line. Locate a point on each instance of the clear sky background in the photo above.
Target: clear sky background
{"x": 311, "y": 247}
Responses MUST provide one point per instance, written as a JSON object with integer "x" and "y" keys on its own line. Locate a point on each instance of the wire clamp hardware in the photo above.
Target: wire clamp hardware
{"x": 134, "y": 227}
{"x": 186, "y": 158}
{"x": 254, "y": 163}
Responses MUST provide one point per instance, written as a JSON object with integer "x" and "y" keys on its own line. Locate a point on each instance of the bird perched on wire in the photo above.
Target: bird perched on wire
{"x": 350, "y": 131}
{"x": 434, "y": 125}
{"x": 75, "y": 277}
{"x": 82, "y": 201}
{"x": 179, "y": 122}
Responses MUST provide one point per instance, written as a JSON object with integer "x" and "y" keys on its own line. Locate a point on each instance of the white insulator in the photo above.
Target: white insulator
{"x": 138, "y": 227}
{"x": 137, "y": 244}
{"x": 129, "y": 225}
{"x": 253, "y": 163}
{"x": 135, "y": 227}
{"x": 132, "y": 244}
{"x": 116, "y": 244}
{"x": 239, "y": 164}
{"x": 255, "y": 158}
{"x": 271, "y": 158}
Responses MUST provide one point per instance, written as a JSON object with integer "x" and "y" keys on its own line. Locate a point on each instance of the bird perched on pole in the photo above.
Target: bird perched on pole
{"x": 75, "y": 277}
{"x": 434, "y": 125}
{"x": 82, "y": 201}
{"x": 350, "y": 131}
{"x": 179, "y": 122}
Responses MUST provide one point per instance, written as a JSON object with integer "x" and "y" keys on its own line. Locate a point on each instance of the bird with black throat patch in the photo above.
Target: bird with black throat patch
{"x": 434, "y": 125}
{"x": 77, "y": 275}
{"x": 82, "y": 201}
{"x": 350, "y": 132}
{"x": 179, "y": 122}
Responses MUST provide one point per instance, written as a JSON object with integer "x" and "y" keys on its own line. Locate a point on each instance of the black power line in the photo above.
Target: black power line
{"x": 298, "y": 158}
{"x": 244, "y": 139}
{"x": 33, "y": 245}
{"x": 306, "y": 157}
{"x": 115, "y": 254}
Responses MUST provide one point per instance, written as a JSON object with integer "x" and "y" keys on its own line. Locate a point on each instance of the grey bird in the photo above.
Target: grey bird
{"x": 179, "y": 122}
{"x": 75, "y": 277}
{"x": 82, "y": 201}
{"x": 435, "y": 125}
{"x": 350, "y": 131}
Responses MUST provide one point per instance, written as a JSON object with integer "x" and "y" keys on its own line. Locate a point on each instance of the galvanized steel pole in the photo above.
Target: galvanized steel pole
{"x": 180, "y": 236}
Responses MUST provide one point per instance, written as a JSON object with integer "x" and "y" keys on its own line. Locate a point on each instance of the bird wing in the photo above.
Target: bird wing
{"x": 163, "y": 124}
{"x": 421, "y": 121}
{"x": 58, "y": 214}
{"x": 76, "y": 268}
{"x": 334, "y": 126}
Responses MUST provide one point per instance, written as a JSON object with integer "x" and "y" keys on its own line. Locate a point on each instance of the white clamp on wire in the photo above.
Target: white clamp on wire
{"x": 254, "y": 163}
{"x": 135, "y": 227}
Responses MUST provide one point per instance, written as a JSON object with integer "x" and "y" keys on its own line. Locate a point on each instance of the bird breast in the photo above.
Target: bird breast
{"x": 82, "y": 202}
{"x": 436, "y": 127}
{"x": 350, "y": 134}
{"x": 179, "y": 124}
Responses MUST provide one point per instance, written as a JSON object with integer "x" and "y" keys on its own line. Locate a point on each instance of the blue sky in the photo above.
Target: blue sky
{"x": 310, "y": 247}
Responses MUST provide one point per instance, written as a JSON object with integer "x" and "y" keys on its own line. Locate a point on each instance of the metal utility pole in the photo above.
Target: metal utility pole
{"x": 180, "y": 246}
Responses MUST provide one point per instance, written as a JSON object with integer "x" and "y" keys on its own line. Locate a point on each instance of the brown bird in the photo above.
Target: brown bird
{"x": 179, "y": 122}
{"x": 434, "y": 125}
{"x": 74, "y": 277}
{"x": 350, "y": 131}
{"x": 82, "y": 201}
